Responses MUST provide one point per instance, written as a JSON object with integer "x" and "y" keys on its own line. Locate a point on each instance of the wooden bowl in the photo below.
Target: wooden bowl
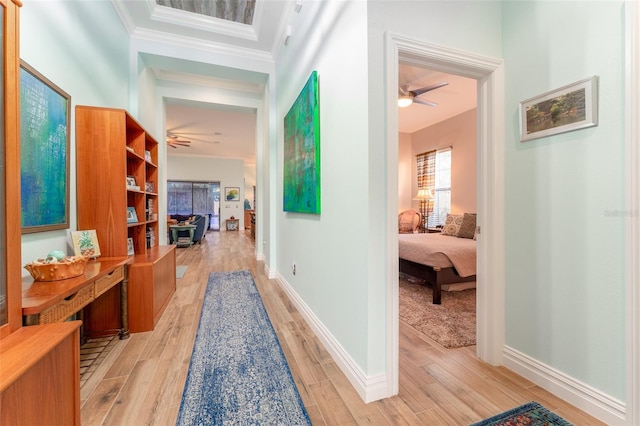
{"x": 69, "y": 267}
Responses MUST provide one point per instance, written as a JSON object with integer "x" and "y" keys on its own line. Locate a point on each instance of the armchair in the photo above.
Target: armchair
{"x": 409, "y": 221}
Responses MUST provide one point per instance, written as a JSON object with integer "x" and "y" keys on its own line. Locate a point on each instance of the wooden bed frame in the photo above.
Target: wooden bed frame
{"x": 435, "y": 276}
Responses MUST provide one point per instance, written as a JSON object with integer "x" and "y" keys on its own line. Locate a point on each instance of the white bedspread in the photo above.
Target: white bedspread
{"x": 439, "y": 250}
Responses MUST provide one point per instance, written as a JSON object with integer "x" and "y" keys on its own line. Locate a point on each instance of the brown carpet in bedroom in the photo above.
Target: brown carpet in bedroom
{"x": 452, "y": 324}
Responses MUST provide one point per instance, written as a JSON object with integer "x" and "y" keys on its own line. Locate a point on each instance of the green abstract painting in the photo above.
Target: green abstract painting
{"x": 44, "y": 153}
{"x": 302, "y": 151}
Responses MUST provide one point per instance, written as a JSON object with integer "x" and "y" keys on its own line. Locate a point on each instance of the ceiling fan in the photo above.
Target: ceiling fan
{"x": 174, "y": 141}
{"x": 406, "y": 97}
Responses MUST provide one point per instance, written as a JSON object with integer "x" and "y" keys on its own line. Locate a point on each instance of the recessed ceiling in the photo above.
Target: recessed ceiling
{"x": 186, "y": 21}
{"x": 231, "y": 10}
{"x": 260, "y": 39}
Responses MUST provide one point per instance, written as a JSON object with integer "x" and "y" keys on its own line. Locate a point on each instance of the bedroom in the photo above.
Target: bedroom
{"x": 450, "y": 129}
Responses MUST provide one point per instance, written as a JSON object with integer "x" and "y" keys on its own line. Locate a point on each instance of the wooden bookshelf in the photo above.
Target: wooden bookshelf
{"x": 117, "y": 181}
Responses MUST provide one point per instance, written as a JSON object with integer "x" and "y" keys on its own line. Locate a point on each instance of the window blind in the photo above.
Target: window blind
{"x": 434, "y": 173}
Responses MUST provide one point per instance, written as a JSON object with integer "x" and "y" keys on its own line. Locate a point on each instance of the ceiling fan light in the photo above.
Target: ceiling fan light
{"x": 405, "y": 101}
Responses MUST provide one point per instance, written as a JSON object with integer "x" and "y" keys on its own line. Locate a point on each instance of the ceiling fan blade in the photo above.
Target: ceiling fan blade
{"x": 423, "y": 102}
{"x": 429, "y": 88}
{"x": 404, "y": 89}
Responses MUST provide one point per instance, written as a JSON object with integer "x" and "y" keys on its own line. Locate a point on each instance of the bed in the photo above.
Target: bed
{"x": 439, "y": 259}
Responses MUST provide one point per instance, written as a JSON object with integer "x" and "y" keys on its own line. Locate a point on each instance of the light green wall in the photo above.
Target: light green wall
{"x": 330, "y": 249}
{"x": 341, "y": 254}
{"x": 83, "y": 48}
{"x": 564, "y": 251}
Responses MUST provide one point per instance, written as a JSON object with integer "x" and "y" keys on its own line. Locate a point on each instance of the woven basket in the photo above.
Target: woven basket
{"x": 69, "y": 267}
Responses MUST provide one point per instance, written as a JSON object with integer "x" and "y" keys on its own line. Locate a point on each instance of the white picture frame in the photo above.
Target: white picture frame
{"x": 568, "y": 108}
{"x": 130, "y": 249}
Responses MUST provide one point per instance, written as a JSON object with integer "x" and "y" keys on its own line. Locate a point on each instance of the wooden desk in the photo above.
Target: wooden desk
{"x": 46, "y": 302}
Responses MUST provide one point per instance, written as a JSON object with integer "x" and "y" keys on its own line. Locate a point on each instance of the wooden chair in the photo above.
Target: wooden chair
{"x": 409, "y": 221}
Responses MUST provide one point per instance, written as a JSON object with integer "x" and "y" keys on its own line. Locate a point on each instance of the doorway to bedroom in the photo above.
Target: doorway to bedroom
{"x": 489, "y": 76}
{"x": 437, "y": 154}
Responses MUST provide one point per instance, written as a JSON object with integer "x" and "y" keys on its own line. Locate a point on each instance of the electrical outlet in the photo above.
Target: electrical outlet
{"x": 293, "y": 268}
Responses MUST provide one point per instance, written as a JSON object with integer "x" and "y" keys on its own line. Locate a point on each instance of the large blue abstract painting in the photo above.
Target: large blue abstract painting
{"x": 302, "y": 151}
{"x": 44, "y": 152}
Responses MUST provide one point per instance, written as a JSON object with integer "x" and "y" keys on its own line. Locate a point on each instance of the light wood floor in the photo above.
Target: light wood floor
{"x": 141, "y": 380}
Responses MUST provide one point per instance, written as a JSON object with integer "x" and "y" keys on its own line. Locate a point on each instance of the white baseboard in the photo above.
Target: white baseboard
{"x": 602, "y": 406}
{"x": 370, "y": 388}
{"x": 271, "y": 275}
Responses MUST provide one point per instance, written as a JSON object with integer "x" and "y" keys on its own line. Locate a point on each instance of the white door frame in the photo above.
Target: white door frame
{"x": 490, "y": 181}
{"x": 632, "y": 184}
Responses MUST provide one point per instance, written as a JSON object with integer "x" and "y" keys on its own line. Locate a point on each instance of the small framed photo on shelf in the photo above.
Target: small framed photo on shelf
{"x": 132, "y": 217}
{"x": 147, "y": 156}
{"x": 149, "y": 187}
{"x": 85, "y": 243}
{"x": 131, "y": 183}
{"x": 130, "y": 250}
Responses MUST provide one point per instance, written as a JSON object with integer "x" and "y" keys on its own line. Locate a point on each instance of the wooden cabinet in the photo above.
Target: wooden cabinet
{"x": 40, "y": 375}
{"x": 39, "y": 365}
{"x": 247, "y": 218}
{"x": 151, "y": 290}
{"x": 117, "y": 181}
{"x": 10, "y": 261}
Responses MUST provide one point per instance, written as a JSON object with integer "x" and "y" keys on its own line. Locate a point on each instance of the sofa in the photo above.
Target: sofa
{"x": 200, "y": 221}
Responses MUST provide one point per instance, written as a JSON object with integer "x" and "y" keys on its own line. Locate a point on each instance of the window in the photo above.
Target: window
{"x": 434, "y": 173}
{"x": 189, "y": 198}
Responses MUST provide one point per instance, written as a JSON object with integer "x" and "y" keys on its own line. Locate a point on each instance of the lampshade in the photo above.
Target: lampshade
{"x": 424, "y": 194}
{"x": 405, "y": 100}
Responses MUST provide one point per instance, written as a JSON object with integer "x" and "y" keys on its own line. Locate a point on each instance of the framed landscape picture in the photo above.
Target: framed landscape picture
{"x": 45, "y": 111}
{"x": 572, "y": 107}
{"x": 301, "y": 180}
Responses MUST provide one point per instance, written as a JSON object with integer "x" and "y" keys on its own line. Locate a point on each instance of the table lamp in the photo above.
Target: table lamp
{"x": 424, "y": 196}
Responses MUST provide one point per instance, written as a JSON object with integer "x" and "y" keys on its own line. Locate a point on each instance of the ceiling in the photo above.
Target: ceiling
{"x": 458, "y": 96}
{"x": 229, "y": 132}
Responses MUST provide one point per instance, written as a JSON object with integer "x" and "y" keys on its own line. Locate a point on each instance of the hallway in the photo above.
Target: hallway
{"x": 142, "y": 378}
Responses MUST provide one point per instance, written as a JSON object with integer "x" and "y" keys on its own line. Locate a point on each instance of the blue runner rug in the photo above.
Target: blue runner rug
{"x": 530, "y": 414}
{"x": 238, "y": 373}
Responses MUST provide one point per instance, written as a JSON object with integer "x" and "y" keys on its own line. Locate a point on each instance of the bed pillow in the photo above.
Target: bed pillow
{"x": 468, "y": 226}
{"x": 452, "y": 224}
